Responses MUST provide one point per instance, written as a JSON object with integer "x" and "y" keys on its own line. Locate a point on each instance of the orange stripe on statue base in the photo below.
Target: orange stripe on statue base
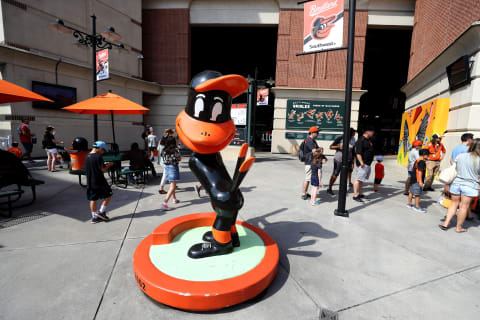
{"x": 201, "y": 295}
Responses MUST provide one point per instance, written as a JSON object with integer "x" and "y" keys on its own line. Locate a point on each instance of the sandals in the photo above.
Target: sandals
{"x": 461, "y": 230}
{"x": 441, "y": 226}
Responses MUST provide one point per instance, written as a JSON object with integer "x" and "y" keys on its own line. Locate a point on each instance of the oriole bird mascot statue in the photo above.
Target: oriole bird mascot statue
{"x": 206, "y": 127}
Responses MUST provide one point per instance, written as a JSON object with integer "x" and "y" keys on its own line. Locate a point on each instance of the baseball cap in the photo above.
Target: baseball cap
{"x": 313, "y": 129}
{"x": 417, "y": 143}
{"x": 380, "y": 158}
{"x": 50, "y": 127}
{"x": 100, "y": 144}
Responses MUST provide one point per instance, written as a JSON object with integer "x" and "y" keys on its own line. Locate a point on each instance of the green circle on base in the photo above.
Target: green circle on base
{"x": 172, "y": 258}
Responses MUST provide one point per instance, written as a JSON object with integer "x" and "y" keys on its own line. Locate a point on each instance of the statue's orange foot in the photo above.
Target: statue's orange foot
{"x": 208, "y": 236}
{"x": 209, "y": 249}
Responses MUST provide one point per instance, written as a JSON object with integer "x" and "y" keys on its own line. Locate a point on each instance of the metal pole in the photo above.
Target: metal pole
{"x": 94, "y": 73}
{"x": 249, "y": 110}
{"x": 342, "y": 195}
{"x": 113, "y": 127}
{"x": 254, "y": 108}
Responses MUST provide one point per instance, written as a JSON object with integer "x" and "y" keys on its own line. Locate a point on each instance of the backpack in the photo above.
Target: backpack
{"x": 301, "y": 151}
{"x": 19, "y": 129}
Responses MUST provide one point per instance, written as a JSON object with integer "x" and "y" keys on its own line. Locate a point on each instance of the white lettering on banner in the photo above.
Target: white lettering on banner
{"x": 316, "y": 10}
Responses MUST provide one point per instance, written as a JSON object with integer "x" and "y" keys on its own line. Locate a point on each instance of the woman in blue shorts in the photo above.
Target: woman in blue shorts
{"x": 171, "y": 157}
{"x": 465, "y": 186}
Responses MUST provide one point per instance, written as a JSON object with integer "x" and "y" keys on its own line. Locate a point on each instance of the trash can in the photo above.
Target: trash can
{"x": 78, "y": 153}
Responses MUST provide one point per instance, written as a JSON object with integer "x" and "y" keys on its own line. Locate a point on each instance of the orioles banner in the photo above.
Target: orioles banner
{"x": 102, "y": 65}
{"x": 323, "y": 25}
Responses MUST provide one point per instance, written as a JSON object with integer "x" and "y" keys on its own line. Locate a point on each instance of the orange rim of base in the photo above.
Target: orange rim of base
{"x": 201, "y": 295}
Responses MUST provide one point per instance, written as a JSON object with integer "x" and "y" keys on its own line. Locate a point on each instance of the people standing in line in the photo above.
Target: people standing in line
{"x": 465, "y": 186}
{"x": 97, "y": 186}
{"x": 413, "y": 155}
{"x": 49, "y": 143}
{"x": 171, "y": 158}
{"x": 379, "y": 173}
{"x": 437, "y": 153}
{"x": 15, "y": 150}
{"x": 417, "y": 181}
{"x": 337, "y": 160}
{"x": 161, "y": 145}
{"x": 26, "y": 139}
{"x": 310, "y": 145}
{"x": 465, "y": 139}
{"x": 152, "y": 144}
{"x": 364, "y": 154}
{"x": 318, "y": 159}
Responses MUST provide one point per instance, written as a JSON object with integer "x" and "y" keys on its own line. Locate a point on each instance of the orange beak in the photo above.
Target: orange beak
{"x": 204, "y": 137}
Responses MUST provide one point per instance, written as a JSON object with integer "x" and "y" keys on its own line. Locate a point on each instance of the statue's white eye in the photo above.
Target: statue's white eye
{"x": 199, "y": 106}
{"x": 216, "y": 110}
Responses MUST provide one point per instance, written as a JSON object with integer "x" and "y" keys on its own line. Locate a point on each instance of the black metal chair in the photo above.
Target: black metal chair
{"x": 14, "y": 172}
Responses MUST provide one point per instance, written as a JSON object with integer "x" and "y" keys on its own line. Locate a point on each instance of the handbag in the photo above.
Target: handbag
{"x": 449, "y": 174}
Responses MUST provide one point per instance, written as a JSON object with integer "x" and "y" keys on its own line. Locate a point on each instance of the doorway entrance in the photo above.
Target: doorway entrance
{"x": 387, "y": 54}
{"x": 244, "y": 51}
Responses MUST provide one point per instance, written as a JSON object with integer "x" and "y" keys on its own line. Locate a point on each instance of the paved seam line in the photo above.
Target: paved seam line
{"x": 409, "y": 288}
{"x": 301, "y": 287}
{"x": 118, "y": 255}
{"x": 58, "y": 245}
{"x": 295, "y": 280}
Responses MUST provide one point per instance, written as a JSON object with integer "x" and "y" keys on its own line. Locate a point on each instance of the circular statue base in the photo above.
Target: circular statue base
{"x": 166, "y": 274}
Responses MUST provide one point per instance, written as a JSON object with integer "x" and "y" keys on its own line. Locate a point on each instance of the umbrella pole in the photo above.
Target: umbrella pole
{"x": 113, "y": 127}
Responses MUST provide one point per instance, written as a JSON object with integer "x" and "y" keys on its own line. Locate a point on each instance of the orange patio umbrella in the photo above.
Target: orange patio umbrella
{"x": 10, "y": 92}
{"x": 108, "y": 103}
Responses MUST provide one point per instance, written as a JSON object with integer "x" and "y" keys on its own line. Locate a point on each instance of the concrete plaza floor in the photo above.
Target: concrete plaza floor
{"x": 384, "y": 262}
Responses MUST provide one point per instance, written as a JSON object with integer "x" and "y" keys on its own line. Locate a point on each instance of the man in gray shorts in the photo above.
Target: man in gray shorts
{"x": 337, "y": 159}
{"x": 309, "y": 146}
{"x": 364, "y": 154}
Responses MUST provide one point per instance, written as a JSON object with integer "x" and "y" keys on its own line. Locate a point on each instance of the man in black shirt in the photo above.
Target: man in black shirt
{"x": 310, "y": 145}
{"x": 97, "y": 186}
{"x": 364, "y": 154}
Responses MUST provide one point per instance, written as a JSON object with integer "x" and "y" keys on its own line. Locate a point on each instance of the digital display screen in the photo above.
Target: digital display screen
{"x": 61, "y": 95}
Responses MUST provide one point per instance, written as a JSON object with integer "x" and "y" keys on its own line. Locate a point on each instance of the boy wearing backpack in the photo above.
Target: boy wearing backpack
{"x": 307, "y": 147}
{"x": 417, "y": 181}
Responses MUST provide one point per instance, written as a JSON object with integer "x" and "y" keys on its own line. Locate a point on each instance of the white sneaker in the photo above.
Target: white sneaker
{"x": 419, "y": 209}
{"x": 409, "y": 206}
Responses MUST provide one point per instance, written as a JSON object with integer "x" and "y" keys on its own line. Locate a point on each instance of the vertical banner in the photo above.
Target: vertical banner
{"x": 421, "y": 123}
{"x": 322, "y": 25}
{"x": 102, "y": 65}
{"x": 262, "y": 97}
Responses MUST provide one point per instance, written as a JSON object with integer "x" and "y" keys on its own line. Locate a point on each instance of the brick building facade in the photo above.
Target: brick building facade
{"x": 437, "y": 24}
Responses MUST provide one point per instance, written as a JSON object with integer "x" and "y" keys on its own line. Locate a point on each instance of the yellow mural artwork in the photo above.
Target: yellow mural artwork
{"x": 421, "y": 123}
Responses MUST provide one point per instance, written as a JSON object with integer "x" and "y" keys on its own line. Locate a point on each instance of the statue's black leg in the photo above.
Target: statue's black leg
{"x": 222, "y": 240}
{"x": 208, "y": 236}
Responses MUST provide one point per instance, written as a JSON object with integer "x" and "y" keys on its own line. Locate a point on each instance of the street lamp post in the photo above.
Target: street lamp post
{"x": 94, "y": 41}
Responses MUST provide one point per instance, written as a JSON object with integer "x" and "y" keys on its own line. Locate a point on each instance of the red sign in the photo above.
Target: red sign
{"x": 323, "y": 25}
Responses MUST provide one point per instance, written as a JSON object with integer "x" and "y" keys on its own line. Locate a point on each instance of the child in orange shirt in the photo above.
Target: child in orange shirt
{"x": 15, "y": 150}
{"x": 379, "y": 173}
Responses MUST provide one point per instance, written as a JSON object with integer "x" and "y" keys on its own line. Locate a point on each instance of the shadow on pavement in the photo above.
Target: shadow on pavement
{"x": 385, "y": 193}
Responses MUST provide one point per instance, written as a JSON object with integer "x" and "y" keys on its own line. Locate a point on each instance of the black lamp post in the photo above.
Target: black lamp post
{"x": 94, "y": 41}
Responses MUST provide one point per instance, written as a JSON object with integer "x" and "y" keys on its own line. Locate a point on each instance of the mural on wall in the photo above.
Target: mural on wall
{"x": 421, "y": 123}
